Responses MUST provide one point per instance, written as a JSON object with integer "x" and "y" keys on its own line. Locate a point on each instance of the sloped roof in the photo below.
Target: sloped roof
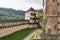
{"x": 31, "y": 9}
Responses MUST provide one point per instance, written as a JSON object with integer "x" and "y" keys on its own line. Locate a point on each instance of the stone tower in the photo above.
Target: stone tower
{"x": 31, "y": 15}
{"x": 58, "y": 16}
{"x": 52, "y": 16}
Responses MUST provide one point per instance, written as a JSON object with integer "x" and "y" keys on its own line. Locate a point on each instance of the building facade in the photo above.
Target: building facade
{"x": 52, "y": 16}
{"x": 31, "y": 15}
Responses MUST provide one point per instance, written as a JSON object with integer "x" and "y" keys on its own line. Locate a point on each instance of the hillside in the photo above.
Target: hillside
{"x": 11, "y": 14}
{"x": 40, "y": 12}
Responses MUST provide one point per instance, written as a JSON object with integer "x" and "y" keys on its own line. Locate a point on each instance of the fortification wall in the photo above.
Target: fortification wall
{"x": 7, "y": 31}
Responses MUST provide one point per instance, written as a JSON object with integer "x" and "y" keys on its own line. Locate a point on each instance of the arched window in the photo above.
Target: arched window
{"x": 54, "y": 12}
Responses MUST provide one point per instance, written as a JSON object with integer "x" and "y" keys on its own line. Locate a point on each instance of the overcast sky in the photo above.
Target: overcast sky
{"x": 21, "y": 4}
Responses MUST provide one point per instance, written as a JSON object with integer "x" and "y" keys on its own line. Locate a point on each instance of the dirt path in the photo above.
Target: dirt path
{"x": 30, "y": 35}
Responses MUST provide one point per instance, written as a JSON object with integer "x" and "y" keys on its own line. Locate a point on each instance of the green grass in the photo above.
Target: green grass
{"x": 40, "y": 15}
{"x": 32, "y": 37}
{"x": 38, "y": 30}
{"x": 19, "y": 35}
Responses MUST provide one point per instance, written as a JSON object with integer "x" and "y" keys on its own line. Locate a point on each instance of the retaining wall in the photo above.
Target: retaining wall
{"x": 7, "y": 31}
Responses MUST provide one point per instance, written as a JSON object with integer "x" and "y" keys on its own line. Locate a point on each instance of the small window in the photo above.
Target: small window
{"x": 54, "y": 0}
{"x": 58, "y": 22}
{"x": 54, "y": 12}
{"x": 55, "y": 27}
{"x": 58, "y": 13}
{"x": 58, "y": 29}
{"x": 49, "y": 31}
{"x": 33, "y": 14}
{"x": 58, "y": 4}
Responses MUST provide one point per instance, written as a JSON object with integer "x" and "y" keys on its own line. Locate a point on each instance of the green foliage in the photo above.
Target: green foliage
{"x": 37, "y": 31}
{"x": 10, "y": 14}
{"x": 40, "y": 13}
{"x": 19, "y": 35}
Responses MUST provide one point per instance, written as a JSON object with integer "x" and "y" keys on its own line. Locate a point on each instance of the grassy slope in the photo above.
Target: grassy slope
{"x": 19, "y": 35}
{"x": 39, "y": 30}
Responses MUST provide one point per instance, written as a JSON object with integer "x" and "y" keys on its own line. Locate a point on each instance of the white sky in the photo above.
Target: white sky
{"x": 21, "y": 4}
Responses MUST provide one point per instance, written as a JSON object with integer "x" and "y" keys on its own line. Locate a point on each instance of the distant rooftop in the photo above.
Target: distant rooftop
{"x": 31, "y": 9}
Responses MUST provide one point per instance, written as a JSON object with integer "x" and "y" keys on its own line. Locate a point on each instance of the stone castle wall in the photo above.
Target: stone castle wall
{"x": 7, "y": 31}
